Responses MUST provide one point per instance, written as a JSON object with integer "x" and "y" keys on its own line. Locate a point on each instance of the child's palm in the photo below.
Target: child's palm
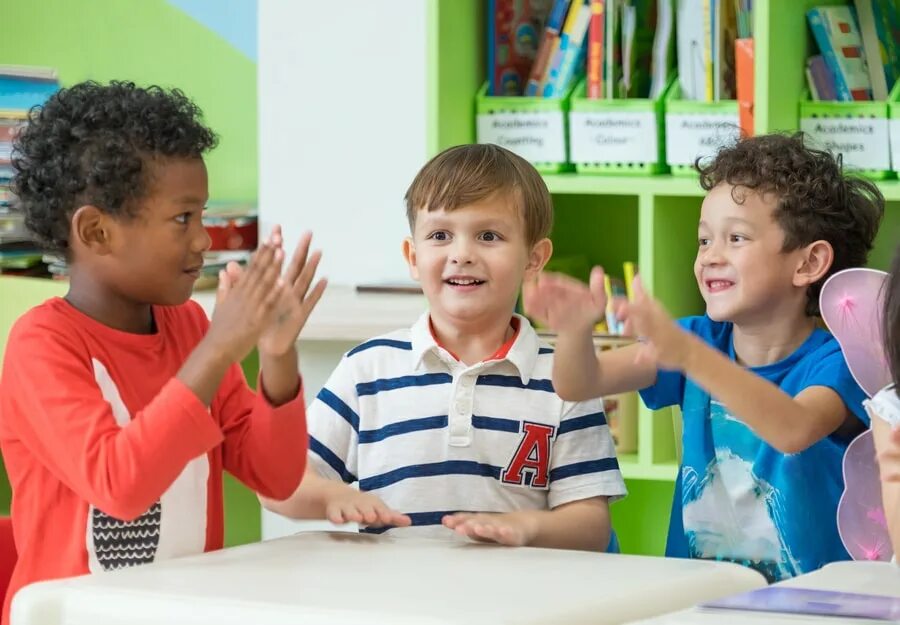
{"x": 563, "y": 303}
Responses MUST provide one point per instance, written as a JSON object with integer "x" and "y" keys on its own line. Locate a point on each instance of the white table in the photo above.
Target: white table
{"x": 874, "y": 578}
{"x": 331, "y": 578}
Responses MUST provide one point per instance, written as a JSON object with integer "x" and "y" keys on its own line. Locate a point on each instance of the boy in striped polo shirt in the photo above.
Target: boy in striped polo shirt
{"x": 452, "y": 425}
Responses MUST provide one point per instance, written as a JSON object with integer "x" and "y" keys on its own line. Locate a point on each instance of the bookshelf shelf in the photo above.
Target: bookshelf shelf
{"x": 675, "y": 186}
{"x": 648, "y": 218}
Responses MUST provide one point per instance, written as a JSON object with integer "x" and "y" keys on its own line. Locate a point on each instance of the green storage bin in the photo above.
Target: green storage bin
{"x": 858, "y": 131}
{"x": 609, "y": 136}
{"x": 894, "y": 126}
{"x": 533, "y": 128}
{"x": 697, "y": 129}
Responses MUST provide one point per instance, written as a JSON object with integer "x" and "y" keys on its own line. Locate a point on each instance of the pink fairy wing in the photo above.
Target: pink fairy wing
{"x": 852, "y": 302}
{"x": 860, "y": 514}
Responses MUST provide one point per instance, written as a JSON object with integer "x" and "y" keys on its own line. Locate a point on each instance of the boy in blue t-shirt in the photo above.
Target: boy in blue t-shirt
{"x": 768, "y": 403}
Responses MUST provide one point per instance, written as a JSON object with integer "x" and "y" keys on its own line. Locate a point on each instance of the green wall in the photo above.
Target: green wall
{"x": 148, "y": 42}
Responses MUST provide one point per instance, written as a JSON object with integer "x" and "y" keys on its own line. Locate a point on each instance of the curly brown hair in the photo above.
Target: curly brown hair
{"x": 817, "y": 200}
{"x": 91, "y": 144}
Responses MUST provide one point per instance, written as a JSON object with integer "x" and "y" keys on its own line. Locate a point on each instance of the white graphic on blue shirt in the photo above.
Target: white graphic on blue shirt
{"x": 729, "y": 512}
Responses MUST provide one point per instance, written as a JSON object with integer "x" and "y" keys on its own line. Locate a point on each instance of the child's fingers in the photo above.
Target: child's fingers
{"x": 300, "y": 283}
{"x": 276, "y": 238}
{"x": 224, "y": 287}
{"x": 299, "y": 259}
{"x": 400, "y": 520}
{"x": 597, "y": 288}
{"x": 455, "y": 520}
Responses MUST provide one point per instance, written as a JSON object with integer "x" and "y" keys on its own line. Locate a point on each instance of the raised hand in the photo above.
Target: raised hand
{"x": 663, "y": 341}
{"x": 246, "y": 307}
{"x": 353, "y": 506}
{"x": 507, "y": 529}
{"x": 297, "y": 300}
{"x": 565, "y": 304}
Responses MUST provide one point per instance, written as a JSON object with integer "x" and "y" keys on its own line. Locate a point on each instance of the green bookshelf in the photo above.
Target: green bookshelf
{"x": 648, "y": 218}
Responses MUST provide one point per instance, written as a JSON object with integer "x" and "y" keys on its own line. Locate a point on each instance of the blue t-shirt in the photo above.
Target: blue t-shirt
{"x": 736, "y": 497}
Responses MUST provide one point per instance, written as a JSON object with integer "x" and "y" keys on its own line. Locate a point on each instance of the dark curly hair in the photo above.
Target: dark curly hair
{"x": 892, "y": 320}
{"x": 91, "y": 144}
{"x": 817, "y": 201}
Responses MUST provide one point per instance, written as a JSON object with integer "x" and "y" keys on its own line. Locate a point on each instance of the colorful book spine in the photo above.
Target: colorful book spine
{"x": 595, "y": 50}
{"x": 549, "y": 43}
{"x": 572, "y": 55}
{"x": 836, "y": 34}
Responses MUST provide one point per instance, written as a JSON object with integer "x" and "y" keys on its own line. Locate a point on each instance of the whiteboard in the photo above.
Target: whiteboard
{"x": 342, "y": 128}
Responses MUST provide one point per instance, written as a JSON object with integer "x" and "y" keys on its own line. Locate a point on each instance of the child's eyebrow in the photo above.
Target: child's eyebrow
{"x": 190, "y": 199}
{"x": 730, "y": 220}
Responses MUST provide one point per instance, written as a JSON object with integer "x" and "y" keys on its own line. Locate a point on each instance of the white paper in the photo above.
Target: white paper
{"x": 537, "y": 137}
{"x": 862, "y": 141}
{"x": 613, "y": 137}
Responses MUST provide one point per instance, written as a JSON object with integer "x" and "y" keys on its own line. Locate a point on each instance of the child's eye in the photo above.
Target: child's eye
{"x": 183, "y": 218}
{"x": 703, "y": 241}
{"x": 440, "y": 235}
{"x": 489, "y": 236}
{"x": 737, "y": 238}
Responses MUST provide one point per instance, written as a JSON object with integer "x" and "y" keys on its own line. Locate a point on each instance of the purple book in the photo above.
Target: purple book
{"x": 792, "y": 600}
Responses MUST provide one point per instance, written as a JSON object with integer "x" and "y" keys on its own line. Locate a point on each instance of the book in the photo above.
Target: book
{"x": 514, "y": 30}
{"x": 879, "y": 28}
{"x": 595, "y": 50}
{"x": 820, "y": 79}
{"x": 638, "y": 29}
{"x": 549, "y": 43}
{"x": 837, "y": 36}
{"x": 690, "y": 37}
{"x": 793, "y": 600}
{"x": 572, "y": 62}
{"x": 744, "y": 84}
{"x": 663, "y": 48}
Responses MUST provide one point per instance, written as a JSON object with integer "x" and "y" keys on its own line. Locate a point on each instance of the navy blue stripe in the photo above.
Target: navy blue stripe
{"x": 391, "y": 384}
{"x": 419, "y": 519}
{"x": 514, "y": 381}
{"x": 450, "y": 467}
{"x": 380, "y": 343}
{"x": 496, "y": 423}
{"x": 403, "y": 427}
{"x": 545, "y": 350}
{"x": 331, "y": 458}
{"x": 581, "y": 423}
{"x": 337, "y": 404}
{"x": 583, "y": 468}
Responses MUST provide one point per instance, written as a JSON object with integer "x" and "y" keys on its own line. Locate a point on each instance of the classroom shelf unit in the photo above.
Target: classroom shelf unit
{"x": 648, "y": 218}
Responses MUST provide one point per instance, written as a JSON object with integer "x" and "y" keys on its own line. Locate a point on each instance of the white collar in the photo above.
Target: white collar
{"x": 522, "y": 355}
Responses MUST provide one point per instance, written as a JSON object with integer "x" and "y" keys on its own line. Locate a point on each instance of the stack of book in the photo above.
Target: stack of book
{"x": 20, "y": 89}
{"x": 859, "y": 51}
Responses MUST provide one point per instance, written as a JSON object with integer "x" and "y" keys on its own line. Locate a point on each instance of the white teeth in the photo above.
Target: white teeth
{"x": 467, "y": 282}
{"x": 719, "y": 284}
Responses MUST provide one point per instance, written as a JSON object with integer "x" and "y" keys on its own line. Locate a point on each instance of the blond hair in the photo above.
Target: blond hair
{"x": 465, "y": 174}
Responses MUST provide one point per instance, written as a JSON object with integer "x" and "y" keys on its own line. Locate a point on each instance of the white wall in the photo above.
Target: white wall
{"x": 342, "y": 132}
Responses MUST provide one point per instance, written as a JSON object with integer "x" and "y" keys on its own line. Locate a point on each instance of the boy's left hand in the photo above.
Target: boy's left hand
{"x": 504, "y": 528}
{"x": 663, "y": 341}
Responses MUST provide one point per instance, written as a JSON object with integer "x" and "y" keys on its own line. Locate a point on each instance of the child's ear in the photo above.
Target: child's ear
{"x": 409, "y": 253}
{"x": 815, "y": 263}
{"x": 91, "y": 229}
{"x": 538, "y": 257}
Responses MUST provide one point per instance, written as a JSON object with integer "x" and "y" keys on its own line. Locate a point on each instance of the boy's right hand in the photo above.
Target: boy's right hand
{"x": 565, "y": 304}
{"x": 363, "y": 508}
{"x": 244, "y": 307}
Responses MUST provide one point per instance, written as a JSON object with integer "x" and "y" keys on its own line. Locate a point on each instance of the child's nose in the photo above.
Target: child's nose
{"x": 461, "y": 254}
{"x": 202, "y": 241}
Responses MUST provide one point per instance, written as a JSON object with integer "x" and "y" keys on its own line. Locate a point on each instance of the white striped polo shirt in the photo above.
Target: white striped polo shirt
{"x": 430, "y": 435}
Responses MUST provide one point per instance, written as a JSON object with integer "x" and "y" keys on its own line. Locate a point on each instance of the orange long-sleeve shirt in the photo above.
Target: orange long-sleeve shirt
{"x": 112, "y": 460}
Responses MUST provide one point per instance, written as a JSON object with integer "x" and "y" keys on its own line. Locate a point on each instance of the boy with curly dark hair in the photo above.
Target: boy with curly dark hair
{"x": 768, "y": 403}
{"x": 121, "y": 403}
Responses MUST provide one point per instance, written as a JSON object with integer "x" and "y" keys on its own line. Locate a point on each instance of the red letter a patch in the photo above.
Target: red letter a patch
{"x": 532, "y": 457}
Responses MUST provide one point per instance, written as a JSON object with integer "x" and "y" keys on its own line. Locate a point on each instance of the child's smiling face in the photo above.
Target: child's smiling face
{"x": 155, "y": 256}
{"x": 741, "y": 267}
{"x": 471, "y": 261}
